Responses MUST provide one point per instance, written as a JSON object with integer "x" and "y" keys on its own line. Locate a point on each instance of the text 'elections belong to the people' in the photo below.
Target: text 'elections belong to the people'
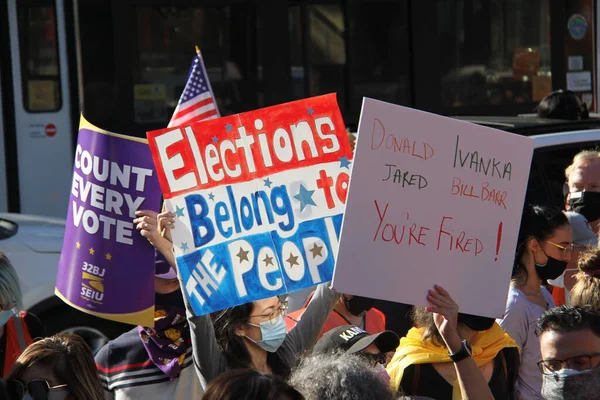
{"x": 258, "y": 199}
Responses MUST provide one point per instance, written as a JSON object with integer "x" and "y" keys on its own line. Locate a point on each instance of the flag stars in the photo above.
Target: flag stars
{"x": 268, "y": 182}
{"x": 184, "y": 247}
{"x": 243, "y": 255}
{"x": 344, "y": 162}
{"x": 179, "y": 211}
{"x": 292, "y": 260}
{"x": 228, "y": 127}
{"x": 92, "y": 251}
{"x": 304, "y": 196}
{"x": 310, "y": 111}
{"x": 108, "y": 256}
{"x": 316, "y": 251}
{"x": 215, "y": 139}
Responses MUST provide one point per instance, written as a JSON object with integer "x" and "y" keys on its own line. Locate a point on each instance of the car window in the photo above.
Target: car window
{"x": 7, "y": 229}
{"x": 547, "y": 175}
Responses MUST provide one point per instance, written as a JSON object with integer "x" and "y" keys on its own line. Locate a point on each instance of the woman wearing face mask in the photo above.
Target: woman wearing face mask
{"x": 60, "y": 367}
{"x": 17, "y": 328}
{"x": 436, "y": 357}
{"x": 544, "y": 248}
{"x": 251, "y": 335}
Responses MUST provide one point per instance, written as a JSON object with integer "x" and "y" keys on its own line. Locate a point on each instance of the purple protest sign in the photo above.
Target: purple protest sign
{"x": 106, "y": 267}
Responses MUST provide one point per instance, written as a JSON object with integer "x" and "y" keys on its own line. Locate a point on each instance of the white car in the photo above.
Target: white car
{"x": 33, "y": 245}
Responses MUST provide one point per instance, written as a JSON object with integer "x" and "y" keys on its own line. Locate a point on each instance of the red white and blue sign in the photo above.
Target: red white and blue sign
{"x": 259, "y": 198}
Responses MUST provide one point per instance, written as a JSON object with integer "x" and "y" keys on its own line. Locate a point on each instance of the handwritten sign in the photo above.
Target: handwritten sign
{"x": 259, "y": 198}
{"x": 106, "y": 268}
{"x": 432, "y": 200}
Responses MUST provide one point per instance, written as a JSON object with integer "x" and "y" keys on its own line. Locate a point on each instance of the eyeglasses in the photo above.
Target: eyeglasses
{"x": 567, "y": 251}
{"x": 578, "y": 363}
{"x": 375, "y": 358}
{"x": 272, "y": 315}
{"x": 37, "y": 389}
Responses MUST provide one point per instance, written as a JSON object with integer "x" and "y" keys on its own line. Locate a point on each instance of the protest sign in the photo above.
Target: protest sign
{"x": 258, "y": 197}
{"x": 432, "y": 200}
{"x": 106, "y": 267}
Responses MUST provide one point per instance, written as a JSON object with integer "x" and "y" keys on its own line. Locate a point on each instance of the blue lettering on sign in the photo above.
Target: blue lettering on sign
{"x": 237, "y": 215}
{"x": 257, "y": 266}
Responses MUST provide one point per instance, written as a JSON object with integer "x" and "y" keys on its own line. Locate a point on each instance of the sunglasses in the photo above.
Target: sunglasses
{"x": 378, "y": 358}
{"x": 37, "y": 390}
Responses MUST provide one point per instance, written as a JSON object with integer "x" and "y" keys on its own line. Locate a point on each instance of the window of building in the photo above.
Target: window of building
{"x": 493, "y": 52}
{"x": 40, "y": 73}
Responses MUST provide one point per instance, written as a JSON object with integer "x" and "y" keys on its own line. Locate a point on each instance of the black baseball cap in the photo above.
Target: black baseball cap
{"x": 353, "y": 339}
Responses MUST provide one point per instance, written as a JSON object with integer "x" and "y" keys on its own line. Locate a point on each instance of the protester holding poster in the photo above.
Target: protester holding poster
{"x": 258, "y": 199}
{"x": 423, "y": 365}
{"x": 544, "y": 247}
{"x": 153, "y": 363}
{"x": 252, "y": 335}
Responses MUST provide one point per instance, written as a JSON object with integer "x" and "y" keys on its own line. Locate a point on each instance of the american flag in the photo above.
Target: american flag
{"x": 197, "y": 102}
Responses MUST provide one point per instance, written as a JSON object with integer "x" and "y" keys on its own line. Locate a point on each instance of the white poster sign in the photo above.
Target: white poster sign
{"x": 432, "y": 200}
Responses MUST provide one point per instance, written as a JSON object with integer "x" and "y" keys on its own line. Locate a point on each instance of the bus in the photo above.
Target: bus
{"x": 123, "y": 64}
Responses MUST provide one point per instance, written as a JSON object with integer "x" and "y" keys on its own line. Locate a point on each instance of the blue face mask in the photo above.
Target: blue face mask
{"x": 273, "y": 334}
{"x": 5, "y": 316}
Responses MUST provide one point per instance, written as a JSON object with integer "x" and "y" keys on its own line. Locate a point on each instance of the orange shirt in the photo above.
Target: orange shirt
{"x": 374, "y": 321}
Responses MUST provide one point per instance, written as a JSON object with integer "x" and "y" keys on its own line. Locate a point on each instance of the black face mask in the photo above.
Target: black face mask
{"x": 173, "y": 299}
{"x": 551, "y": 270}
{"x": 588, "y": 205}
{"x": 358, "y": 305}
{"x": 475, "y": 322}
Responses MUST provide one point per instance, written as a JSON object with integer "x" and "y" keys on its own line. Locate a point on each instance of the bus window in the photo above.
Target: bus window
{"x": 39, "y": 56}
{"x": 165, "y": 38}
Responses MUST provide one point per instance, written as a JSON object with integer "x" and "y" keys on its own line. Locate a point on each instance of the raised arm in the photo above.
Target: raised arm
{"x": 208, "y": 359}
{"x": 305, "y": 333}
{"x": 445, "y": 314}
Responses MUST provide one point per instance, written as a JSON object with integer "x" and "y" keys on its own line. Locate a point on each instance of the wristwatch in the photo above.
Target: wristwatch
{"x": 463, "y": 353}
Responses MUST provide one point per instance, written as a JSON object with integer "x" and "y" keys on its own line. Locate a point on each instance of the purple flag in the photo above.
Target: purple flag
{"x": 106, "y": 267}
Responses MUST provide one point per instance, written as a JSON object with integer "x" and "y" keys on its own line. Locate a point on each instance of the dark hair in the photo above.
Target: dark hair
{"x": 537, "y": 222}
{"x": 249, "y": 384}
{"x": 226, "y": 322}
{"x": 569, "y": 319}
{"x": 424, "y": 319}
{"x": 71, "y": 361}
{"x": 562, "y": 104}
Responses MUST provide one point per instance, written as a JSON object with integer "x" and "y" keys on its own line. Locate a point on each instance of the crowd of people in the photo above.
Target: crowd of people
{"x": 336, "y": 346}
